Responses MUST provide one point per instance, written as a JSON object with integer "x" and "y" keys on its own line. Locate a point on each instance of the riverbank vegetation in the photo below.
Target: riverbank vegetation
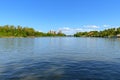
{"x": 19, "y": 31}
{"x": 112, "y": 32}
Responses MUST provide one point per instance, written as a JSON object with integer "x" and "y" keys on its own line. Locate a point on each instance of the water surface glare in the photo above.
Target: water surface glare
{"x": 61, "y": 58}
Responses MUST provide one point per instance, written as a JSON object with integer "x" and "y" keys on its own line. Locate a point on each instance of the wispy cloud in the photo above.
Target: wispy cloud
{"x": 65, "y": 29}
{"x": 91, "y": 26}
{"x": 106, "y": 26}
{"x": 110, "y": 26}
{"x": 69, "y": 30}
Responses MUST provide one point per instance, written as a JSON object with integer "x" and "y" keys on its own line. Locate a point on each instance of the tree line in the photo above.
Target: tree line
{"x": 112, "y": 32}
{"x": 19, "y": 31}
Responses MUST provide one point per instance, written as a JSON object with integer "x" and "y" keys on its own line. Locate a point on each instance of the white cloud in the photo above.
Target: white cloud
{"x": 65, "y": 29}
{"x": 109, "y": 26}
{"x": 78, "y": 29}
{"x": 106, "y": 26}
{"x": 91, "y": 26}
{"x": 69, "y": 30}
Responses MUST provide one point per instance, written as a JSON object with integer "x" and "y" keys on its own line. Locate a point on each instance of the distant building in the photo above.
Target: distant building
{"x": 52, "y": 32}
{"x": 115, "y": 29}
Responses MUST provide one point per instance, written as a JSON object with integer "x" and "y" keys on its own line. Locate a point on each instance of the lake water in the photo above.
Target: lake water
{"x": 66, "y": 58}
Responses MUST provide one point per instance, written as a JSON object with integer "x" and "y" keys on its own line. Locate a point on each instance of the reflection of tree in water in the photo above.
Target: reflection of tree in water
{"x": 60, "y": 70}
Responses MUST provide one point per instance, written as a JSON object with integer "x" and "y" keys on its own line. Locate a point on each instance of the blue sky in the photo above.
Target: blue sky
{"x": 70, "y": 16}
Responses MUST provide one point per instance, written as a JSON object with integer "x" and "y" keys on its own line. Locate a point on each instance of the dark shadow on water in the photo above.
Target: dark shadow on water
{"x": 60, "y": 70}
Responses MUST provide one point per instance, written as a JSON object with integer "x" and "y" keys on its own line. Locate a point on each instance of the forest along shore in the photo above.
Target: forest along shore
{"x": 19, "y": 31}
{"x": 10, "y": 31}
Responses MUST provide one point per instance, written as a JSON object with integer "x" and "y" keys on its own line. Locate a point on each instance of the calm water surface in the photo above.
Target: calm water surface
{"x": 59, "y": 59}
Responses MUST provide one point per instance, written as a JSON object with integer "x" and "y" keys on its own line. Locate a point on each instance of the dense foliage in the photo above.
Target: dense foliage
{"x": 105, "y": 33}
{"x": 19, "y": 31}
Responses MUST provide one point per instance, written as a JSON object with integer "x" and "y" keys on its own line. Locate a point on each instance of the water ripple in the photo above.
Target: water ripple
{"x": 82, "y": 70}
